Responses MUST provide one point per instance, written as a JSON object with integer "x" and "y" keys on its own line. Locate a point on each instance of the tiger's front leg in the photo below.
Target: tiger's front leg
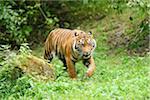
{"x": 89, "y": 63}
{"x": 71, "y": 68}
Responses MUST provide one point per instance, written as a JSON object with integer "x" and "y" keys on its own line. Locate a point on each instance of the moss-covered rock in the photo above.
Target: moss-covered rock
{"x": 36, "y": 67}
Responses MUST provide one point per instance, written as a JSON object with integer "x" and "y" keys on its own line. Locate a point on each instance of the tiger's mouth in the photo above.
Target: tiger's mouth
{"x": 85, "y": 56}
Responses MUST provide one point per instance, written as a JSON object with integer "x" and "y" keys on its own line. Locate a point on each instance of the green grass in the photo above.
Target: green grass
{"x": 117, "y": 76}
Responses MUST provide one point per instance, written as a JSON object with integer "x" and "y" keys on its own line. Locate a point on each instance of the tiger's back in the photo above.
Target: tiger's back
{"x": 57, "y": 43}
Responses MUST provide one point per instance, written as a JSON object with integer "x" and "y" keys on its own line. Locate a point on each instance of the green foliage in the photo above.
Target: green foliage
{"x": 31, "y": 21}
{"x": 19, "y": 70}
{"x": 117, "y": 5}
{"x": 14, "y": 22}
{"x": 71, "y": 13}
{"x": 140, "y": 34}
{"x": 116, "y": 77}
{"x": 140, "y": 37}
{"x": 25, "y": 49}
{"x": 17, "y": 25}
{"x": 129, "y": 26}
{"x": 10, "y": 75}
{"x": 143, "y": 5}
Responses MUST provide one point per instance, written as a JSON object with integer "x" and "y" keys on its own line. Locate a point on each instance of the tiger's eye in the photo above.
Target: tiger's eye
{"x": 93, "y": 45}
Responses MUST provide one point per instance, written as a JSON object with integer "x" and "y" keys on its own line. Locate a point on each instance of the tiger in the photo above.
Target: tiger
{"x": 71, "y": 46}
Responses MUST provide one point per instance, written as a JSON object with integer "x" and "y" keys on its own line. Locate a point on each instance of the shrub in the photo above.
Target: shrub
{"x": 140, "y": 35}
{"x": 11, "y": 76}
{"x": 9, "y": 73}
{"x": 135, "y": 36}
{"x": 21, "y": 19}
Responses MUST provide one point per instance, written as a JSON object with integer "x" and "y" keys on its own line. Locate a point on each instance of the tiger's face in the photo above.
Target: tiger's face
{"x": 84, "y": 44}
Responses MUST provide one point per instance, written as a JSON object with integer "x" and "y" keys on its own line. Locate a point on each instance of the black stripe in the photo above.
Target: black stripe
{"x": 74, "y": 58}
{"x": 60, "y": 55}
{"x": 45, "y": 55}
{"x": 73, "y": 61}
{"x": 56, "y": 49}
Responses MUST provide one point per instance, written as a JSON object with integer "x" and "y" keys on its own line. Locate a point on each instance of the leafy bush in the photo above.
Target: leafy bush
{"x": 19, "y": 70}
{"x": 11, "y": 78}
{"x": 140, "y": 35}
{"x": 71, "y": 13}
{"x": 14, "y": 23}
{"x": 18, "y": 19}
{"x": 8, "y": 72}
{"x": 132, "y": 29}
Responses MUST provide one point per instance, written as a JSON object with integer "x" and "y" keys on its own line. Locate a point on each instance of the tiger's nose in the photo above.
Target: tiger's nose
{"x": 86, "y": 53}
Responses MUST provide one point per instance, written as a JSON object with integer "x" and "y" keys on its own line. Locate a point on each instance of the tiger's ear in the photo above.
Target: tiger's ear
{"x": 90, "y": 33}
{"x": 76, "y": 34}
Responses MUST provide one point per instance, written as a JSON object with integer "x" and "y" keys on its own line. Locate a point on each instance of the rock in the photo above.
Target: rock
{"x": 36, "y": 67}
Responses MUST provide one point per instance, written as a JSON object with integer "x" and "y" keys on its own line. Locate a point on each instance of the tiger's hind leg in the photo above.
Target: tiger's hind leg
{"x": 64, "y": 64}
{"x": 48, "y": 56}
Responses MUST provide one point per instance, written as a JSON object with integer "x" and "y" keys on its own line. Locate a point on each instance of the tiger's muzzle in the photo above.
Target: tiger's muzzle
{"x": 86, "y": 55}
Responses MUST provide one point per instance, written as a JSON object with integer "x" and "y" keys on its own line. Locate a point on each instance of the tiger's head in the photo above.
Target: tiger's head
{"x": 84, "y": 44}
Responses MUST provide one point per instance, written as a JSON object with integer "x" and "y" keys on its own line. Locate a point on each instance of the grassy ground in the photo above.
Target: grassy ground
{"x": 117, "y": 76}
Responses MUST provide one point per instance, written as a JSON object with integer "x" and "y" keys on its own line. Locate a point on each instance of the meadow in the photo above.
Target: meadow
{"x": 117, "y": 76}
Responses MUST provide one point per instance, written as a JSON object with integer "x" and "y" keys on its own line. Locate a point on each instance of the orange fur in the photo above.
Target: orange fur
{"x": 71, "y": 46}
